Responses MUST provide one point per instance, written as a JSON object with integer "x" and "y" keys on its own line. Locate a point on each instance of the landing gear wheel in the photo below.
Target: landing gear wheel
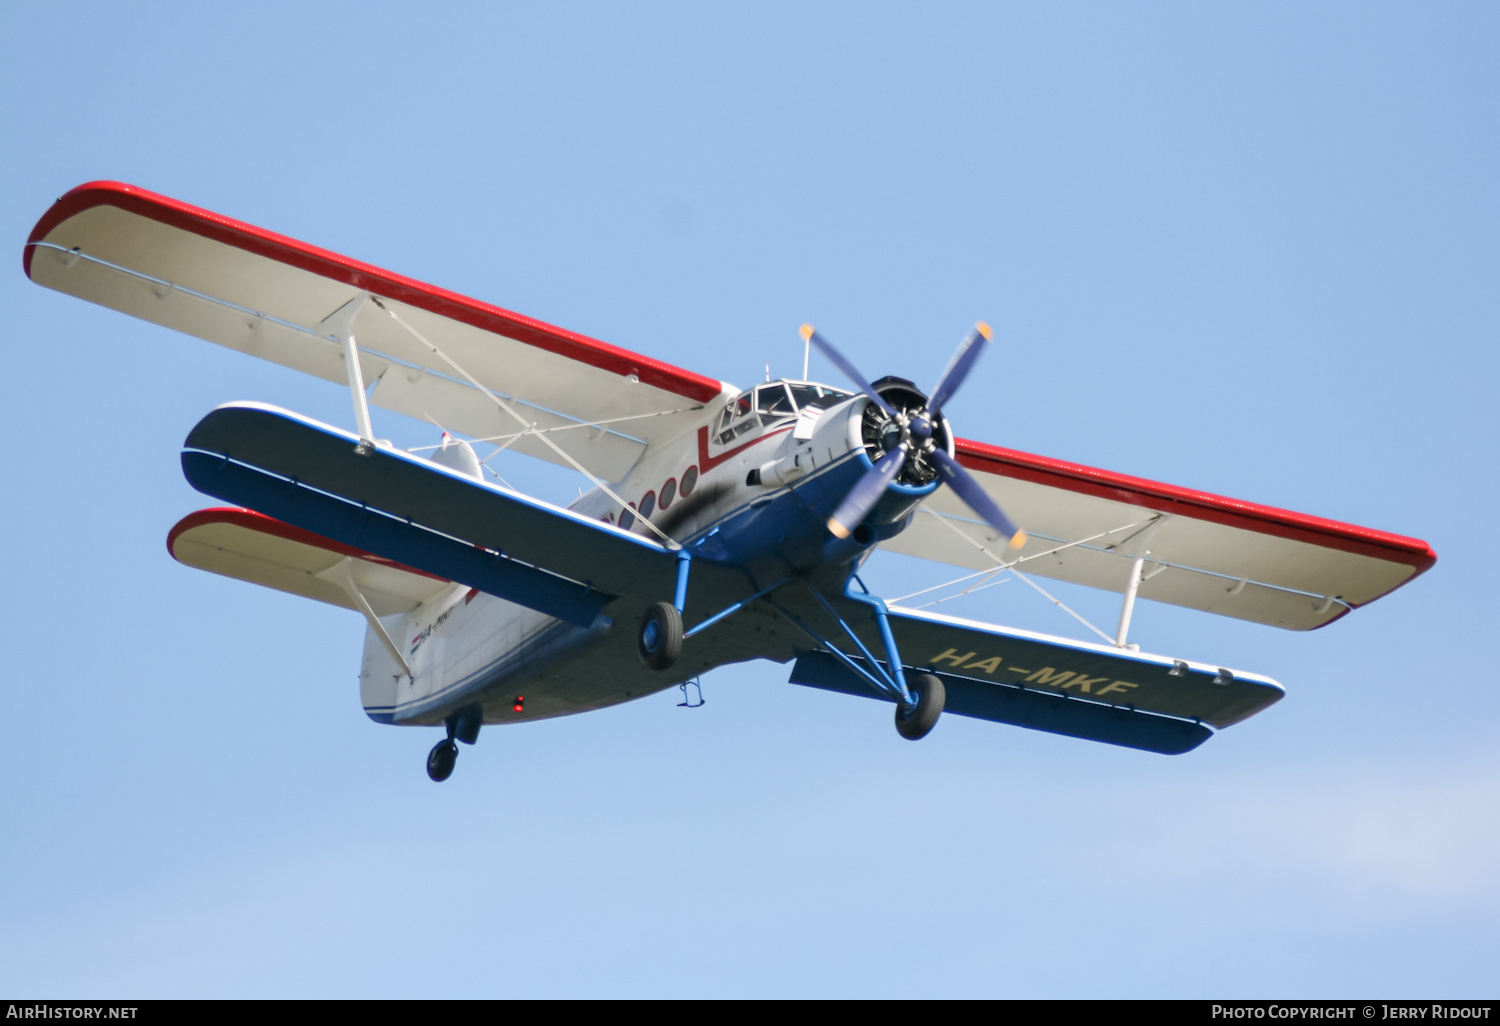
{"x": 660, "y": 639}
{"x": 915, "y": 723}
{"x": 441, "y": 759}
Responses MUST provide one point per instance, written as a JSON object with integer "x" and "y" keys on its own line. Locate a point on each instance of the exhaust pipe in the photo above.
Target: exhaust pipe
{"x": 841, "y": 551}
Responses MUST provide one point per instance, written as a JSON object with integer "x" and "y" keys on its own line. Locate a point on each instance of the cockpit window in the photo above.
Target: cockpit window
{"x": 771, "y": 402}
{"x": 737, "y": 419}
{"x": 817, "y": 395}
{"x": 774, "y": 402}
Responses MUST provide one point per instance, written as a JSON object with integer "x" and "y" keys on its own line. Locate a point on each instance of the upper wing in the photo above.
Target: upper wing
{"x": 1202, "y": 551}
{"x": 267, "y": 295}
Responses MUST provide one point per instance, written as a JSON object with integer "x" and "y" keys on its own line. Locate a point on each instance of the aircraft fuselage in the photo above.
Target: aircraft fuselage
{"x": 752, "y": 491}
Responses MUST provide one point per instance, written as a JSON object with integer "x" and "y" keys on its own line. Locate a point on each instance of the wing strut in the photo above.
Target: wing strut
{"x": 892, "y": 679}
{"x": 527, "y": 426}
{"x": 342, "y": 574}
{"x": 1127, "y": 604}
{"x": 340, "y": 324}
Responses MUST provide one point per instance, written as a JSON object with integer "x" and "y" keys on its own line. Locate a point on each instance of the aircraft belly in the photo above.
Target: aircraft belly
{"x": 476, "y": 644}
{"x": 495, "y": 654}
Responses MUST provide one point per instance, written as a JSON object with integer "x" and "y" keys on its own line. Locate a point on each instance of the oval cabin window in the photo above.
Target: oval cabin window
{"x": 627, "y": 518}
{"x": 648, "y": 505}
{"x": 689, "y": 480}
{"x": 668, "y": 492}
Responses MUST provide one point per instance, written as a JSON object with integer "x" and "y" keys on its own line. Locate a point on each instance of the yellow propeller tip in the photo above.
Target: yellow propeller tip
{"x": 805, "y": 331}
{"x": 838, "y": 529}
{"x": 1018, "y": 539}
{"x": 984, "y": 329}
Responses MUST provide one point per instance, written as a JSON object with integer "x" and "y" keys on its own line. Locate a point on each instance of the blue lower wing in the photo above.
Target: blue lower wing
{"x": 1058, "y": 685}
{"x": 415, "y": 512}
{"x": 1033, "y": 709}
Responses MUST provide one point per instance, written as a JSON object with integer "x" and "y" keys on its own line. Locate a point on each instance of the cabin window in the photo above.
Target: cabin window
{"x": 627, "y": 518}
{"x": 648, "y": 505}
{"x": 689, "y": 481}
{"x": 668, "y": 492}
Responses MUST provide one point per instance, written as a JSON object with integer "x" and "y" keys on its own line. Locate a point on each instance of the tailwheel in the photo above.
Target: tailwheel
{"x": 660, "y": 639}
{"x": 441, "y": 759}
{"x": 914, "y": 722}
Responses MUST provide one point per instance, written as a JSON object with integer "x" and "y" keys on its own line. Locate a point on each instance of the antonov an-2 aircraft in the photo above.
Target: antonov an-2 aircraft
{"x": 724, "y": 524}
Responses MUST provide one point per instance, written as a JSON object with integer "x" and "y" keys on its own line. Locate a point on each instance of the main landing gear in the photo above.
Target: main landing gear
{"x": 659, "y": 641}
{"x": 913, "y": 722}
{"x": 919, "y": 699}
{"x": 462, "y": 726}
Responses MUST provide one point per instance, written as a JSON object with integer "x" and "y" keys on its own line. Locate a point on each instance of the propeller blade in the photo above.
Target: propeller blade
{"x": 867, "y": 492}
{"x": 959, "y": 367}
{"x": 969, "y": 490}
{"x": 837, "y": 359}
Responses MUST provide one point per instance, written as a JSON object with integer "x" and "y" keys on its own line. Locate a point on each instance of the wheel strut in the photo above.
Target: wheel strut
{"x": 462, "y": 726}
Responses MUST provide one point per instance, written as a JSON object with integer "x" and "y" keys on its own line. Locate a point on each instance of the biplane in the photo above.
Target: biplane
{"x": 722, "y": 524}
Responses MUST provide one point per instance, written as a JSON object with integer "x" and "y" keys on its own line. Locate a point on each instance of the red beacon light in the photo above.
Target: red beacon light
{"x": 520, "y": 703}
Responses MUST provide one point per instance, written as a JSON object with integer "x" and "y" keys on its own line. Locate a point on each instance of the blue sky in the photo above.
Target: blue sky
{"x": 1249, "y": 248}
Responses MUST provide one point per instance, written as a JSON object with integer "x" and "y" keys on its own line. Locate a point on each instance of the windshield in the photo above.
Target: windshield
{"x": 771, "y": 402}
{"x": 820, "y": 396}
{"x": 774, "y": 402}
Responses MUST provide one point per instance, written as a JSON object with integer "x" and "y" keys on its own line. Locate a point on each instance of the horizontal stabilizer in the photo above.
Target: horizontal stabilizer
{"x": 407, "y": 509}
{"x": 248, "y": 546}
{"x": 1024, "y": 707}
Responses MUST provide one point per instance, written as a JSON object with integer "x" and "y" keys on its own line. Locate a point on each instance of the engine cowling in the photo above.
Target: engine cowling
{"x": 879, "y": 433}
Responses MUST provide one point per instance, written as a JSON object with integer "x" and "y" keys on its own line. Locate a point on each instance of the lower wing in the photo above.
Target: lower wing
{"x": 1082, "y": 690}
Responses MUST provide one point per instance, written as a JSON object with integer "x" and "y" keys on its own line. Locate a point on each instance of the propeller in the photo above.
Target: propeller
{"x": 909, "y": 435}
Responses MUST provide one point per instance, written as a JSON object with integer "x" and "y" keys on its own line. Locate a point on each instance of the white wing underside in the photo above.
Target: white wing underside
{"x": 268, "y": 306}
{"x": 1212, "y": 554}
